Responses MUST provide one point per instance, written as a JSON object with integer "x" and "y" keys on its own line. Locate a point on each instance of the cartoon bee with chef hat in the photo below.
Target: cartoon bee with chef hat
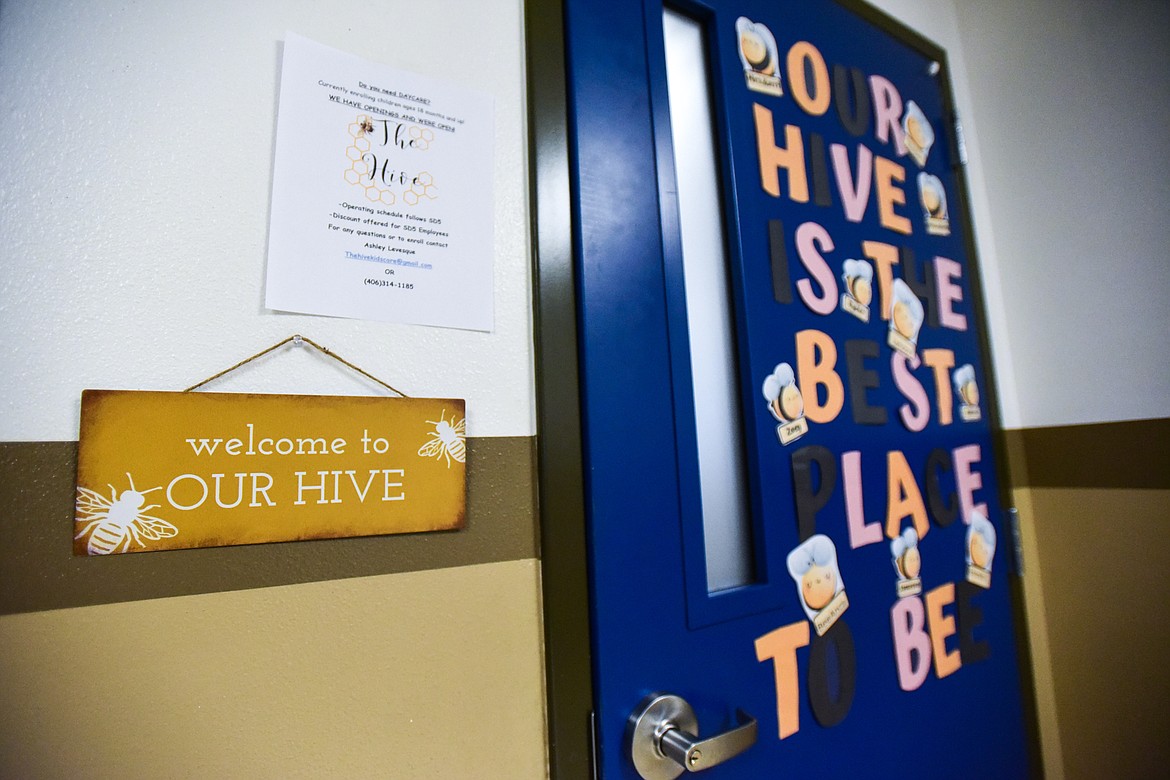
{"x": 785, "y": 403}
{"x": 919, "y": 134}
{"x": 757, "y": 52}
{"x": 858, "y": 278}
{"x": 967, "y": 391}
{"x": 980, "y": 550}
{"x": 933, "y": 197}
{"x": 813, "y": 567}
{"x": 907, "y": 562}
{"x": 906, "y": 315}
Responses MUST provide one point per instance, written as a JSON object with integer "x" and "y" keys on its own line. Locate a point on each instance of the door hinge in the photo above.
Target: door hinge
{"x": 595, "y": 755}
{"x": 1017, "y": 540}
{"x": 960, "y": 142}
{"x": 957, "y": 140}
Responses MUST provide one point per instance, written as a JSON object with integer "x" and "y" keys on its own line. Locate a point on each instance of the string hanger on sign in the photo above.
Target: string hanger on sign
{"x": 298, "y": 341}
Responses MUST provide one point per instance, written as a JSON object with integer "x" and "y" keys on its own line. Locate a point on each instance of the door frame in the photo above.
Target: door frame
{"x": 559, "y": 462}
{"x": 560, "y": 499}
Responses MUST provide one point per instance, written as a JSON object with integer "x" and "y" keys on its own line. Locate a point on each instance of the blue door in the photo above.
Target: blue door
{"x": 801, "y": 563}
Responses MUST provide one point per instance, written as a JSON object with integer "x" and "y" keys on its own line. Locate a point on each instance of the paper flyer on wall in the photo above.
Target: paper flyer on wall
{"x": 381, "y": 194}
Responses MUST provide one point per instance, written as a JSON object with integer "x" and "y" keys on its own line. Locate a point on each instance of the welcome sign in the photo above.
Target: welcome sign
{"x": 166, "y": 470}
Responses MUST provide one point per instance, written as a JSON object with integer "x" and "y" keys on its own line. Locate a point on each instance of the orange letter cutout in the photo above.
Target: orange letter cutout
{"x": 772, "y": 157}
{"x": 941, "y": 361}
{"x": 942, "y": 626}
{"x": 885, "y": 173}
{"x": 813, "y": 373}
{"x": 780, "y": 645}
{"x": 816, "y": 101}
{"x": 903, "y": 498}
{"x": 885, "y": 257}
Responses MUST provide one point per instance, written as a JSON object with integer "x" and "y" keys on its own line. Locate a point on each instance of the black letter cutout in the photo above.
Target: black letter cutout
{"x": 838, "y": 642}
{"x": 861, "y": 380}
{"x": 968, "y": 615}
{"x": 923, "y": 286}
{"x": 781, "y": 283}
{"x": 851, "y": 92}
{"x": 819, "y": 170}
{"x": 809, "y": 501}
{"x": 944, "y": 512}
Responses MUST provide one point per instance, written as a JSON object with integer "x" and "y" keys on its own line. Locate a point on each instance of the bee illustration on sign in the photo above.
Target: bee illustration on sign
{"x": 447, "y": 440}
{"x": 785, "y": 403}
{"x": 813, "y": 567}
{"x": 118, "y": 520}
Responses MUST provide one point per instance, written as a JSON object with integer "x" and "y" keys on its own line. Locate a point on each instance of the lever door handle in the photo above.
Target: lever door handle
{"x": 664, "y": 739}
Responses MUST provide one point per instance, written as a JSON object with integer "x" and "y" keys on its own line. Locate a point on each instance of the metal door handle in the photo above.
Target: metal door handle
{"x": 664, "y": 739}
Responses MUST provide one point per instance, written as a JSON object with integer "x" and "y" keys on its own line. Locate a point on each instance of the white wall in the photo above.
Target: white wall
{"x": 137, "y": 141}
{"x": 136, "y": 147}
{"x": 1072, "y": 104}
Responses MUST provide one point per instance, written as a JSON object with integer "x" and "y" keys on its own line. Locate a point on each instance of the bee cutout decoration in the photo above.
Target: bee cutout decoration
{"x": 813, "y": 567}
{"x": 758, "y": 55}
{"x": 785, "y": 403}
{"x": 919, "y": 134}
{"x": 967, "y": 391}
{"x": 858, "y": 278}
{"x": 118, "y": 520}
{"x": 907, "y": 563}
{"x": 933, "y": 197}
{"x": 980, "y": 550}
{"x": 906, "y": 315}
{"x": 446, "y": 441}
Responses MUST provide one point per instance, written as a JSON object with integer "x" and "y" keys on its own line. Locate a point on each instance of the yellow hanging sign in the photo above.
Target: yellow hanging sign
{"x": 163, "y": 471}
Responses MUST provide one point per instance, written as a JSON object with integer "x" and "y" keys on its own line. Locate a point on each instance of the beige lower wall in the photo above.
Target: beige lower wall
{"x": 432, "y": 674}
{"x": 1097, "y": 563}
{"x": 1036, "y": 613}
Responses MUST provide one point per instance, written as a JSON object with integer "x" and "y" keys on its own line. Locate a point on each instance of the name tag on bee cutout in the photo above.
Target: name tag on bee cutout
{"x": 164, "y": 471}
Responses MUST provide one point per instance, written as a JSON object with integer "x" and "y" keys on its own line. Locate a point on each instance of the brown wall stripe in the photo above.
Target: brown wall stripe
{"x": 38, "y": 570}
{"x": 1133, "y": 454}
